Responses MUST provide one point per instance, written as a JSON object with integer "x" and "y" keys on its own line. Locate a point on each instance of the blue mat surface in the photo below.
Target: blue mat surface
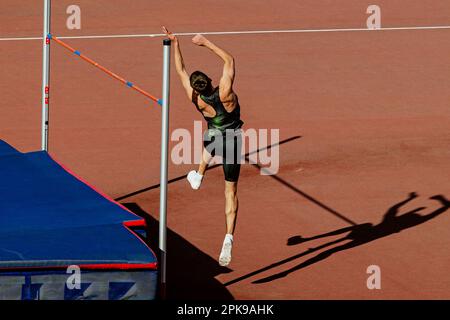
{"x": 49, "y": 220}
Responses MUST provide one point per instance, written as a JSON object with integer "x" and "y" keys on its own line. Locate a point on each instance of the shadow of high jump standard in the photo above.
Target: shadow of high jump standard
{"x": 361, "y": 234}
{"x": 156, "y": 186}
{"x": 277, "y": 178}
{"x": 190, "y": 272}
{"x": 306, "y": 196}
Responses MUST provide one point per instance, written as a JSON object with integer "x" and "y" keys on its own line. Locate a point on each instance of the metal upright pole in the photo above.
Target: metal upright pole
{"x": 164, "y": 164}
{"x": 45, "y": 74}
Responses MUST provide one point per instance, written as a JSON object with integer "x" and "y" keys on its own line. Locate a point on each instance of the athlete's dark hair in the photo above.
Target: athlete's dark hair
{"x": 200, "y": 82}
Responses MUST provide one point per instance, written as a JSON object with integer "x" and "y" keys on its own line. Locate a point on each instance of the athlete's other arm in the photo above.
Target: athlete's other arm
{"x": 179, "y": 63}
{"x": 227, "y": 79}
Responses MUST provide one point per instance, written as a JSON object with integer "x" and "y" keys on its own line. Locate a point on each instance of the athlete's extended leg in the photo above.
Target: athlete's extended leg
{"x": 231, "y": 205}
{"x": 231, "y": 209}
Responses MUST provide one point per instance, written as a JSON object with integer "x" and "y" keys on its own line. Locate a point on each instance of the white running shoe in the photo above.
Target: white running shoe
{"x": 195, "y": 179}
{"x": 225, "y": 254}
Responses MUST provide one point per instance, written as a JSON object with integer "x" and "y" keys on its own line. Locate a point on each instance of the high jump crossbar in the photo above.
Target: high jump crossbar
{"x": 108, "y": 72}
{"x": 164, "y": 102}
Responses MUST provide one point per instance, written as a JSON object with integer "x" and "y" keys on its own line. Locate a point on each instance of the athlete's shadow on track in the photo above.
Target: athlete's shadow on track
{"x": 360, "y": 234}
{"x": 190, "y": 272}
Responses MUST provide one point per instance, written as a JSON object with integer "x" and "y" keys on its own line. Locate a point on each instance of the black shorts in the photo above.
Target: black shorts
{"x": 228, "y": 146}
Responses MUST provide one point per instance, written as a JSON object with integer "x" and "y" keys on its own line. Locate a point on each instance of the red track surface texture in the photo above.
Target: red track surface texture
{"x": 368, "y": 114}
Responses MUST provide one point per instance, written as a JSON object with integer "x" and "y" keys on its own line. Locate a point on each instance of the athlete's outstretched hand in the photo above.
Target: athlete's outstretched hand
{"x": 199, "y": 40}
{"x": 169, "y": 34}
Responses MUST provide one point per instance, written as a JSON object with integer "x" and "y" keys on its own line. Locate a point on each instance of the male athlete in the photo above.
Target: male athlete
{"x": 220, "y": 108}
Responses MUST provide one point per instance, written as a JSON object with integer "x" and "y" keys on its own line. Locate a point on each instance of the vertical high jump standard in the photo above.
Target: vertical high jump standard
{"x": 164, "y": 102}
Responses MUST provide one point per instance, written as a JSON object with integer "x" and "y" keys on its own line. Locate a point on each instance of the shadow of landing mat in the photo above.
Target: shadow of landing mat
{"x": 190, "y": 272}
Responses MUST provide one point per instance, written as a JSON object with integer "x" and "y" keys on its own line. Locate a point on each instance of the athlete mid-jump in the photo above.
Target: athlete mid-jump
{"x": 220, "y": 108}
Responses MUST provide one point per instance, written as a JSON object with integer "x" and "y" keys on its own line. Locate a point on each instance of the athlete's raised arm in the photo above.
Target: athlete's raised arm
{"x": 227, "y": 79}
{"x": 179, "y": 63}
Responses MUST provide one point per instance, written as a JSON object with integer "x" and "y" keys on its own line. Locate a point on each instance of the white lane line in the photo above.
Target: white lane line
{"x": 231, "y": 33}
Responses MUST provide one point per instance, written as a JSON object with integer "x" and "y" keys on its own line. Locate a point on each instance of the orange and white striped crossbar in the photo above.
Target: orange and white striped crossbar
{"x": 109, "y": 72}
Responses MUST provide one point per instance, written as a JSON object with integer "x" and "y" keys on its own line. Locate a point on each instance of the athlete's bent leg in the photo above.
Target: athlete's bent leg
{"x": 195, "y": 177}
{"x": 206, "y": 157}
